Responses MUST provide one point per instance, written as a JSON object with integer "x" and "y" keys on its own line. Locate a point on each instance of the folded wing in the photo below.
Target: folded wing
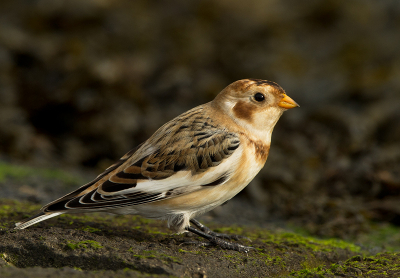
{"x": 183, "y": 156}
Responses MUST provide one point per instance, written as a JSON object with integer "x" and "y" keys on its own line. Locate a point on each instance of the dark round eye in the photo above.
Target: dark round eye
{"x": 259, "y": 97}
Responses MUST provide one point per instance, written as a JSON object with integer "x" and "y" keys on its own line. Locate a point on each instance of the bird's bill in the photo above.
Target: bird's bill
{"x": 288, "y": 103}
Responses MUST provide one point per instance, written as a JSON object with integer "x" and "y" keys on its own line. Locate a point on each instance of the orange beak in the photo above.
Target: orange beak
{"x": 288, "y": 103}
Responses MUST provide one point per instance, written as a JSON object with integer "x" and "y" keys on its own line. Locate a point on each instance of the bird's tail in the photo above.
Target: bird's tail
{"x": 35, "y": 219}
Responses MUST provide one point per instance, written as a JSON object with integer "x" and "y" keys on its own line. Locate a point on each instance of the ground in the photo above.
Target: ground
{"x": 105, "y": 245}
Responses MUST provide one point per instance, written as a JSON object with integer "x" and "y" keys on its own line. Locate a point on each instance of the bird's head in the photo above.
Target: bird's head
{"x": 254, "y": 104}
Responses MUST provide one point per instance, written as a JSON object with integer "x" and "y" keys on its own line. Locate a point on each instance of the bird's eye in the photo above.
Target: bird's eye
{"x": 259, "y": 97}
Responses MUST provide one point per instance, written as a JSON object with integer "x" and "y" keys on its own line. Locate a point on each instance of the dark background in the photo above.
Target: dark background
{"x": 82, "y": 82}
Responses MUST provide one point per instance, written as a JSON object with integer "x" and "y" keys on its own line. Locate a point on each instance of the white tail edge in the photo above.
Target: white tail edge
{"x": 35, "y": 219}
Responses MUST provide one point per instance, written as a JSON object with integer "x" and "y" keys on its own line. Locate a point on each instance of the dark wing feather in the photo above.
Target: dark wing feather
{"x": 93, "y": 183}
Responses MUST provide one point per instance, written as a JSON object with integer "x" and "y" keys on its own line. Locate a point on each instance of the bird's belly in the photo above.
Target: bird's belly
{"x": 208, "y": 197}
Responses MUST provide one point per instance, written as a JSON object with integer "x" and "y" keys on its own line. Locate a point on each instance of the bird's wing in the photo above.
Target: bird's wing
{"x": 183, "y": 156}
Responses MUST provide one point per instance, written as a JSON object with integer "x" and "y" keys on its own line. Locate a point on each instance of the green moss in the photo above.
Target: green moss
{"x": 385, "y": 235}
{"x": 234, "y": 230}
{"x": 276, "y": 261}
{"x": 84, "y": 245}
{"x": 169, "y": 258}
{"x": 314, "y": 244}
{"x": 23, "y": 172}
{"x": 10, "y": 208}
{"x": 381, "y": 265}
{"x": 117, "y": 220}
{"x": 152, "y": 254}
{"x": 284, "y": 239}
{"x": 141, "y": 220}
{"x": 90, "y": 229}
{"x": 186, "y": 251}
{"x": 155, "y": 231}
{"x": 83, "y": 219}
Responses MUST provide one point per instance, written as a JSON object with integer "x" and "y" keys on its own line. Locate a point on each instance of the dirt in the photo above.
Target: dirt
{"x": 101, "y": 245}
{"x": 105, "y": 242}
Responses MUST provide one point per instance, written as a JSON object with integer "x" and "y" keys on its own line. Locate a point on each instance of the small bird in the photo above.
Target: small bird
{"x": 190, "y": 165}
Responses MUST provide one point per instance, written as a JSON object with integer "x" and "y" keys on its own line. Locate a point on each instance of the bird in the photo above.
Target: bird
{"x": 190, "y": 165}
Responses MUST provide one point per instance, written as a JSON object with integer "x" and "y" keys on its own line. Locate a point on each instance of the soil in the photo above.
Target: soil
{"x": 103, "y": 242}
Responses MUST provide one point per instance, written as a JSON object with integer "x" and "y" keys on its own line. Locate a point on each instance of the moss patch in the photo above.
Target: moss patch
{"x": 382, "y": 236}
{"x": 20, "y": 172}
{"x": 380, "y": 265}
{"x": 83, "y": 245}
{"x": 311, "y": 243}
{"x": 11, "y": 210}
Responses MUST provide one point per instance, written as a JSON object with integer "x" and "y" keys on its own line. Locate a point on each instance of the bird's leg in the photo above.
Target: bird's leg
{"x": 207, "y": 230}
{"x": 220, "y": 242}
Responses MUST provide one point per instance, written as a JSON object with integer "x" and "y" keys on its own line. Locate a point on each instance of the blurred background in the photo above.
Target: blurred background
{"x": 83, "y": 82}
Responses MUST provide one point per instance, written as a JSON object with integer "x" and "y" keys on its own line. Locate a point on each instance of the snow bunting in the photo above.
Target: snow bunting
{"x": 190, "y": 165}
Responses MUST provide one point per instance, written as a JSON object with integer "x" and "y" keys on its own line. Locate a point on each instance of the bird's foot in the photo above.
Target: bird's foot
{"x": 210, "y": 232}
{"x": 221, "y": 243}
{"x": 216, "y": 241}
